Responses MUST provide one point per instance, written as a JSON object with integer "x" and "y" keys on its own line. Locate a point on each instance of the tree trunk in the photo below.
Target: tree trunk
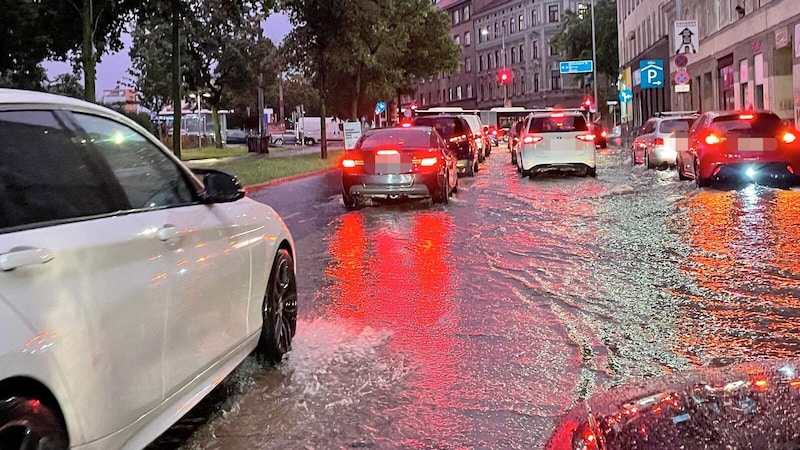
{"x": 87, "y": 53}
{"x": 356, "y": 96}
{"x": 177, "y": 104}
{"x": 217, "y": 127}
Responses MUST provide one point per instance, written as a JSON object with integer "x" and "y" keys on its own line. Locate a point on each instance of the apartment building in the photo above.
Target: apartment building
{"x": 748, "y": 54}
{"x": 514, "y": 34}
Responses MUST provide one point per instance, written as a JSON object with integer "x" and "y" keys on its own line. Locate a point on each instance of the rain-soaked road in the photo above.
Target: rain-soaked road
{"x": 475, "y": 325}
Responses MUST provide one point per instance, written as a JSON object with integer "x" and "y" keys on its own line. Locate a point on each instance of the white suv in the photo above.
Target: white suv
{"x": 556, "y": 141}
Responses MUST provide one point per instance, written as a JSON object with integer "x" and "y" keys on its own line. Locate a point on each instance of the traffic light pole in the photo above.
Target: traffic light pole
{"x": 505, "y": 66}
{"x": 594, "y": 62}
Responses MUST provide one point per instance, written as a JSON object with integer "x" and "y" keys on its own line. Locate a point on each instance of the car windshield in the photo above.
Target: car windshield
{"x": 397, "y": 138}
{"x": 669, "y": 126}
{"x": 446, "y": 126}
{"x": 556, "y": 124}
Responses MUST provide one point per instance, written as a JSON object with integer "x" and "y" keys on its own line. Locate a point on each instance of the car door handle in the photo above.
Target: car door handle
{"x": 168, "y": 232}
{"x": 24, "y": 256}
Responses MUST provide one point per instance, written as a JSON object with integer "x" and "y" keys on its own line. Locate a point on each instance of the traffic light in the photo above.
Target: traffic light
{"x": 504, "y": 76}
{"x": 588, "y": 101}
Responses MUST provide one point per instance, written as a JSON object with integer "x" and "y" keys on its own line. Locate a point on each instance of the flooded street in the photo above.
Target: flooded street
{"x": 477, "y": 324}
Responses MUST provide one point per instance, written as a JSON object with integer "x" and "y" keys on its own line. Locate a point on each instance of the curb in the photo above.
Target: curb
{"x": 254, "y": 187}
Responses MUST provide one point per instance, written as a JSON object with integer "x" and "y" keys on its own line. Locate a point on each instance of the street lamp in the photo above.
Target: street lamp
{"x": 594, "y": 61}
{"x": 198, "y": 96}
{"x": 485, "y": 32}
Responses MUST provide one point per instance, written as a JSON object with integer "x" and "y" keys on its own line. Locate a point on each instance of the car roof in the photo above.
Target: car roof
{"x": 18, "y": 96}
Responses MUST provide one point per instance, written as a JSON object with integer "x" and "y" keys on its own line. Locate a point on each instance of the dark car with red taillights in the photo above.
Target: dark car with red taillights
{"x": 752, "y": 146}
{"x": 393, "y": 163}
{"x": 456, "y": 132}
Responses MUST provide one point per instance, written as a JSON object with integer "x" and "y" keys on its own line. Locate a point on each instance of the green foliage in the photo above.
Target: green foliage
{"x": 68, "y": 84}
{"x": 142, "y": 119}
{"x": 574, "y": 38}
{"x": 151, "y": 61}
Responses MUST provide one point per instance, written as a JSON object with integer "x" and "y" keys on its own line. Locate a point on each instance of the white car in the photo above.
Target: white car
{"x": 129, "y": 288}
{"x": 484, "y": 147}
{"x": 662, "y": 138}
{"x": 556, "y": 141}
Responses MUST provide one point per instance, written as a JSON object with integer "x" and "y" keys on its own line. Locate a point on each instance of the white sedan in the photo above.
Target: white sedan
{"x": 129, "y": 288}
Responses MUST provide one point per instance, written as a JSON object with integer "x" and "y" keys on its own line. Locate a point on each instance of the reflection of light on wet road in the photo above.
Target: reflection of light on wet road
{"x": 478, "y": 323}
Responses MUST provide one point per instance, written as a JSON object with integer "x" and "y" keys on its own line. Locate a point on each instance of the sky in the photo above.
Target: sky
{"x": 114, "y": 67}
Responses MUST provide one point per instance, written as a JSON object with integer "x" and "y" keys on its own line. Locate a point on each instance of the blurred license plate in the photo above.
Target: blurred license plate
{"x": 391, "y": 164}
{"x": 744, "y": 144}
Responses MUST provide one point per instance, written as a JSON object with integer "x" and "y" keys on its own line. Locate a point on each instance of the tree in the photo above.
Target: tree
{"x": 574, "y": 38}
{"x": 66, "y": 84}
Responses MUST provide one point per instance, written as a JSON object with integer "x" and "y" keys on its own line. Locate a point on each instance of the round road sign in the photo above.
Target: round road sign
{"x": 681, "y": 60}
{"x": 682, "y": 77}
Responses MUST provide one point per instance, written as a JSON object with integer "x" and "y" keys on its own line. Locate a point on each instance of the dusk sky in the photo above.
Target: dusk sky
{"x": 114, "y": 67}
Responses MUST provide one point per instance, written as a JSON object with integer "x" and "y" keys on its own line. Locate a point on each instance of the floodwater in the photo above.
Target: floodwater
{"x": 479, "y": 323}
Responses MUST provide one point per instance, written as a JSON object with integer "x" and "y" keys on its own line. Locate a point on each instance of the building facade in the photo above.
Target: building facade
{"x": 118, "y": 96}
{"x": 748, "y": 54}
{"x": 514, "y": 34}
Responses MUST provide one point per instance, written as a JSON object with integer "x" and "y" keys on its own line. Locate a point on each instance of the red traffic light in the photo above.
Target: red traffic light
{"x": 504, "y": 76}
{"x": 588, "y": 101}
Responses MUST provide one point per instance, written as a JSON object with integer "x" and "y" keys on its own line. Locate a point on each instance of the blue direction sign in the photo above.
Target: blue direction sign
{"x": 576, "y": 66}
{"x": 625, "y": 95}
{"x": 652, "y": 73}
{"x": 380, "y": 107}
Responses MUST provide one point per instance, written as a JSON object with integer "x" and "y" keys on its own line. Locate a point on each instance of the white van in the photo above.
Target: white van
{"x": 484, "y": 146}
{"x": 310, "y": 129}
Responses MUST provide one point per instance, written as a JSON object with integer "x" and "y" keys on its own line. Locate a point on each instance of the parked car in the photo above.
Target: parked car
{"x": 599, "y": 133}
{"x": 512, "y": 139}
{"x": 403, "y": 162}
{"x": 745, "y": 145}
{"x": 288, "y": 137}
{"x": 484, "y": 147}
{"x": 556, "y": 141}
{"x": 456, "y": 132}
{"x": 129, "y": 286}
{"x": 662, "y": 137}
{"x": 235, "y": 136}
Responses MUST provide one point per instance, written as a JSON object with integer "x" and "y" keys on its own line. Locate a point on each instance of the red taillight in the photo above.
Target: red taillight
{"x": 790, "y": 169}
{"x": 658, "y": 141}
{"x": 348, "y": 163}
{"x": 788, "y": 137}
{"x": 458, "y": 138}
{"x": 603, "y": 133}
{"x": 428, "y": 162}
{"x": 760, "y": 384}
{"x": 746, "y": 117}
{"x": 387, "y": 152}
{"x": 586, "y": 137}
{"x": 558, "y": 115}
{"x": 532, "y": 139}
{"x": 712, "y": 139}
{"x": 406, "y": 124}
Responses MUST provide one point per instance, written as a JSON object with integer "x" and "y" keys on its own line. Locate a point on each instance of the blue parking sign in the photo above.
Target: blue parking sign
{"x": 652, "y": 71}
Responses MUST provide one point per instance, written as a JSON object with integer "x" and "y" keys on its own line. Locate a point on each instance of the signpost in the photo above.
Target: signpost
{"x": 686, "y": 36}
{"x": 652, "y": 73}
{"x": 380, "y": 107}
{"x": 582, "y": 66}
{"x": 625, "y": 96}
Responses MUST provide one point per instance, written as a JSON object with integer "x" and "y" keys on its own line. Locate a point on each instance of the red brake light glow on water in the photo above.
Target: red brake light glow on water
{"x": 788, "y": 137}
{"x": 532, "y": 139}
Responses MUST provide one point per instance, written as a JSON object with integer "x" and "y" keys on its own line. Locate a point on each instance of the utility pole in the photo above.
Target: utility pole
{"x": 280, "y": 99}
{"x": 260, "y": 104}
{"x": 594, "y": 63}
{"x": 505, "y": 65}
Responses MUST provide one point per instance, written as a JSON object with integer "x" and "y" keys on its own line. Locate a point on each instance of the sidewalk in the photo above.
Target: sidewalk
{"x": 274, "y": 153}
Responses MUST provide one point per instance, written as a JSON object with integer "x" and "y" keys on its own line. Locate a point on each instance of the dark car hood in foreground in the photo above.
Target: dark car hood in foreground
{"x": 754, "y": 406}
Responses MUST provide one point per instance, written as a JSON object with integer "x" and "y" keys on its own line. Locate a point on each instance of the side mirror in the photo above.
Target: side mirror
{"x": 220, "y": 187}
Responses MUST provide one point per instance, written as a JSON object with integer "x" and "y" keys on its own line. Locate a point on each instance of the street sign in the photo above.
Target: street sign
{"x": 625, "y": 96}
{"x": 612, "y": 102}
{"x": 681, "y": 60}
{"x": 380, "y": 107}
{"x": 652, "y": 73}
{"x": 682, "y": 87}
{"x": 686, "y": 36}
{"x": 352, "y": 133}
{"x": 582, "y": 66}
{"x": 682, "y": 77}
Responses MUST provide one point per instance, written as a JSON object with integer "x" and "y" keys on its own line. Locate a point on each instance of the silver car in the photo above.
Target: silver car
{"x": 662, "y": 137}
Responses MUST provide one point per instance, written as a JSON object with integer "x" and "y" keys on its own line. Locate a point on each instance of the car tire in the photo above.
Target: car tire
{"x": 700, "y": 182}
{"x": 455, "y": 187}
{"x": 349, "y": 201}
{"x": 278, "y": 141}
{"x": 442, "y": 194}
{"x": 477, "y": 168}
{"x": 26, "y": 423}
{"x": 648, "y": 163}
{"x": 488, "y": 150}
{"x": 679, "y": 169}
{"x": 591, "y": 171}
{"x": 309, "y": 141}
{"x": 513, "y": 158}
{"x": 279, "y": 312}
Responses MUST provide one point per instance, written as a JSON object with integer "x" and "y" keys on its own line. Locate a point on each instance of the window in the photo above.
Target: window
{"x": 555, "y": 80}
{"x": 450, "y": 95}
{"x": 466, "y": 13}
{"x": 480, "y": 63}
{"x": 535, "y": 16}
{"x": 553, "y": 50}
{"x": 497, "y": 61}
{"x": 469, "y": 91}
{"x": 496, "y": 31}
{"x": 521, "y": 53}
{"x": 522, "y": 84}
{"x": 482, "y": 95}
{"x": 536, "y": 82}
{"x": 149, "y": 178}
{"x": 456, "y": 18}
{"x": 512, "y": 25}
{"x": 468, "y": 65}
{"x": 513, "y": 55}
{"x": 535, "y": 49}
{"x": 552, "y": 13}
{"x": 521, "y": 22}
{"x": 555, "y": 125}
{"x": 458, "y": 92}
{"x": 467, "y": 39}
{"x": 457, "y": 38}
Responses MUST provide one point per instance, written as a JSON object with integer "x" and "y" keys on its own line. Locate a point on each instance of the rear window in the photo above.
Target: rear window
{"x": 669, "y": 126}
{"x": 396, "y": 138}
{"x": 446, "y": 126}
{"x": 557, "y": 124}
{"x": 759, "y": 123}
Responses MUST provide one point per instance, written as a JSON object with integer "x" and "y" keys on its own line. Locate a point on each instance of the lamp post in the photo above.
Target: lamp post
{"x": 485, "y": 32}
{"x": 594, "y": 61}
{"x": 198, "y": 96}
